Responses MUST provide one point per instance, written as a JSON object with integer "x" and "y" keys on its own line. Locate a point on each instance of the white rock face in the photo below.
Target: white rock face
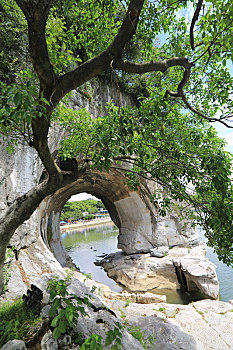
{"x": 202, "y": 325}
{"x": 14, "y": 345}
{"x": 146, "y": 298}
{"x": 48, "y": 342}
{"x": 200, "y": 274}
{"x": 141, "y": 272}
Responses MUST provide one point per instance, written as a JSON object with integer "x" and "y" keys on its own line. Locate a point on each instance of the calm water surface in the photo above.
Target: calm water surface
{"x": 224, "y": 272}
{"x": 87, "y": 245}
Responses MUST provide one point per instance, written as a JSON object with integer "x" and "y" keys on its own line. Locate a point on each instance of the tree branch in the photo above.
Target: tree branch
{"x": 183, "y": 82}
{"x": 36, "y": 13}
{"x": 180, "y": 93}
{"x": 22, "y": 207}
{"x": 160, "y": 66}
{"x": 127, "y": 29}
{"x": 40, "y": 127}
{"x": 104, "y": 60}
{"x": 194, "y": 19}
{"x": 202, "y": 114}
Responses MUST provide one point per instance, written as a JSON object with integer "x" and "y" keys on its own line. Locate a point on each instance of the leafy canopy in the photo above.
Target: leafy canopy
{"x": 158, "y": 141}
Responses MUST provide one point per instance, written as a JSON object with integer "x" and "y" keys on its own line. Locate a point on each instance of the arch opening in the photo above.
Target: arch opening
{"x": 141, "y": 229}
{"x": 131, "y": 211}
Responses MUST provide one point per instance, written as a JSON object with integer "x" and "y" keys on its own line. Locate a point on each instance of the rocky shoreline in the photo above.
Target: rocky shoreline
{"x": 164, "y": 269}
{"x": 202, "y": 325}
{"x": 91, "y": 223}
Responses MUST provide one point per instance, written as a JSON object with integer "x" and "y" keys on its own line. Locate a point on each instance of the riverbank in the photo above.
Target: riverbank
{"x": 93, "y": 222}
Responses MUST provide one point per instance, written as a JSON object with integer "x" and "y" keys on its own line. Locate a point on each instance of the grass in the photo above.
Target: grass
{"x": 16, "y": 320}
{"x": 147, "y": 341}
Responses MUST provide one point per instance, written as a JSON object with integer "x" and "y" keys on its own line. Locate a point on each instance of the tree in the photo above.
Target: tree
{"x": 187, "y": 82}
{"x": 75, "y": 209}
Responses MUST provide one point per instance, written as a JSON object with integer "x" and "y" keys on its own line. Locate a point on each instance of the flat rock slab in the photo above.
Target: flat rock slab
{"x": 203, "y": 325}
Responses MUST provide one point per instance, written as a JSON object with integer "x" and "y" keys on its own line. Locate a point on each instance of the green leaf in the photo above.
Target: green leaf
{"x": 18, "y": 99}
{"x": 55, "y": 321}
{"x": 110, "y": 337}
{"x": 62, "y": 326}
{"x": 57, "y": 302}
{"x": 52, "y": 311}
{"x": 69, "y": 315}
{"x": 114, "y": 347}
{"x": 118, "y": 341}
{"x": 56, "y": 333}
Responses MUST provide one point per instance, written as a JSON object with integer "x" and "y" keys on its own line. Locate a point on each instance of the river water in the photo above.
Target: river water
{"x": 88, "y": 244}
{"x": 224, "y": 272}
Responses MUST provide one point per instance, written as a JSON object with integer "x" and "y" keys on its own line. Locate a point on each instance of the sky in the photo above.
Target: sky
{"x": 82, "y": 196}
{"x": 226, "y": 134}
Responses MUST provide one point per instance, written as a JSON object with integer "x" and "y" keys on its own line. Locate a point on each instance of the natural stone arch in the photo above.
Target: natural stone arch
{"x": 140, "y": 227}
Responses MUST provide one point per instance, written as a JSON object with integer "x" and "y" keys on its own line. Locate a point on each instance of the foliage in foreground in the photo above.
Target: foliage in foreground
{"x": 16, "y": 321}
{"x": 66, "y": 309}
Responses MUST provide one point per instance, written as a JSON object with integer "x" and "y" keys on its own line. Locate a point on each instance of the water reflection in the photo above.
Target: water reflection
{"x": 92, "y": 242}
{"x": 224, "y": 272}
{"x": 181, "y": 296}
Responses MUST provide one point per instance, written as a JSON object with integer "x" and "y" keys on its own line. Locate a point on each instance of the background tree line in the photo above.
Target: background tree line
{"x": 76, "y": 209}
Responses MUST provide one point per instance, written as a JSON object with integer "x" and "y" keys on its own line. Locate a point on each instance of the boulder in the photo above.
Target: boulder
{"x": 48, "y": 342}
{"x": 200, "y": 274}
{"x": 143, "y": 272}
{"x": 159, "y": 252}
{"x": 14, "y": 345}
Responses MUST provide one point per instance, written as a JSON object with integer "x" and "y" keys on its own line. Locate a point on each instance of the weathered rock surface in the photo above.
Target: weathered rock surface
{"x": 48, "y": 342}
{"x": 146, "y": 298}
{"x": 200, "y": 274}
{"x": 143, "y": 272}
{"x": 203, "y": 325}
{"x": 159, "y": 252}
{"x": 14, "y": 345}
